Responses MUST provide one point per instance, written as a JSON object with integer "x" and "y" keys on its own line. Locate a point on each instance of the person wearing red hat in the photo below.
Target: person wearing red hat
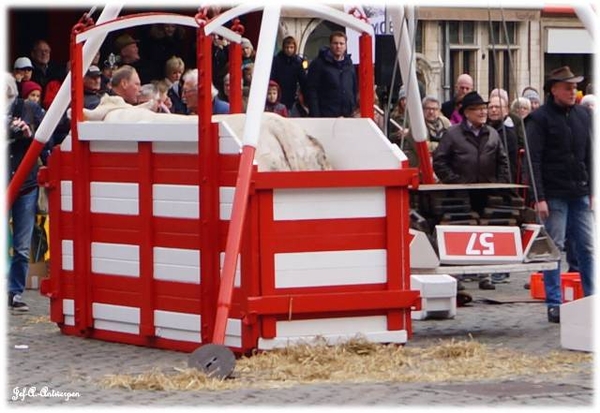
{"x": 32, "y": 91}
{"x": 560, "y": 142}
{"x": 273, "y": 103}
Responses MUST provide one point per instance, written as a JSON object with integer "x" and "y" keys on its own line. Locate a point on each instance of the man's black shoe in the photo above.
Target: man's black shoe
{"x": 554, "y": 314}
{"x": 15, "y": 302}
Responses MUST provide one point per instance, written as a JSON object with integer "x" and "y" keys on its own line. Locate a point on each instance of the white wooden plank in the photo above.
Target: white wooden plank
{"x": 176, "y": 256}
{"x": 116, "y": 259}
{"x": 66, "y": 144}
{"x": 175, "y": 264}
{"x": 323, "y": 268}
{"x": 190, "y": 148}
{"x": 179, "y": 335}
{"x": 114, "y": 198}
{"x": 226, "y": 194}
{"x": 229, "y": 146}
{"x": 112, "y": 312}
{"x": 328, "y": 203}
{"x": 67, "y": 254}
{"x": 66, "y": 195}
{"x": 577, "y": 324}
{"x": 398, "y": 336}
{"x": 113, "y": 146}
{"x": 178, "y": 201}
{"x": 68, "y": 306}
{"x": 335, "y": 326}
{"x": 353, "y": 144}
{"x": 177, "y": 320}
{"x": 140, "y": 131}
{"x": 237, "y": 282}
{"x": 233, "y": 333}
{"x": 117, "y": 326}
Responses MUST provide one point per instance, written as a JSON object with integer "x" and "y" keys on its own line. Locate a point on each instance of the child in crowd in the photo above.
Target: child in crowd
{"x": 32, "y": 91}
{"x": 273, "y": 96}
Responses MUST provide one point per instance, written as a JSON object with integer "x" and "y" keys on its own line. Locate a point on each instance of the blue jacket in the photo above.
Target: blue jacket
{"x": 332, "y": 87}
{"x": 560, "y": 144}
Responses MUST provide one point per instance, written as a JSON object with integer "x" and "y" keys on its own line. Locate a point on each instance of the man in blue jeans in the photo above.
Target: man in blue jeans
{"x": 21, "y": 119}
{"x": 560, "y": 133}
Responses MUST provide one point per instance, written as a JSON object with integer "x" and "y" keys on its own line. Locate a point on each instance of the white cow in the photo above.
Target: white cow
{"x": 282, "y": 145}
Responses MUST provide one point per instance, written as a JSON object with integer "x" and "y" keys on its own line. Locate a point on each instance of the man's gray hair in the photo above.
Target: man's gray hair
{"x": 430, "y": 98}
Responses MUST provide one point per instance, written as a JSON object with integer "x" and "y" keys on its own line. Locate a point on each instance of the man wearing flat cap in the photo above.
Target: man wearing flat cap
{"x": 560, "y": 142}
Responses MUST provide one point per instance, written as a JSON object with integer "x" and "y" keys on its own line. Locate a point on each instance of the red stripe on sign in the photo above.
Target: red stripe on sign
{"x": 472, "y": 244}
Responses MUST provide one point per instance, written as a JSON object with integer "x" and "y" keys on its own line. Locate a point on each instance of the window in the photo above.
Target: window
{"x": 498, "y": 34}
{"x": 462, "y": 33}
{"x": 463, "y": 49}
{"x": 502, "y": 56}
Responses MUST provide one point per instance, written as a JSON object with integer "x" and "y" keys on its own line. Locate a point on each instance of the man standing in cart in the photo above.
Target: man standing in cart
{"x": 560, "y": 141}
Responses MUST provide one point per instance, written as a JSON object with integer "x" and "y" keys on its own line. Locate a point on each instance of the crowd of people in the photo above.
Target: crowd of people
{"x": 471, "y": 139}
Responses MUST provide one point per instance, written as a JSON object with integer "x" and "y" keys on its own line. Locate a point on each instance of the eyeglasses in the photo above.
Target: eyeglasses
{"x": 430, "y": 108}
{"x": 479, "y": 109}
{"x": 186, "y": 91}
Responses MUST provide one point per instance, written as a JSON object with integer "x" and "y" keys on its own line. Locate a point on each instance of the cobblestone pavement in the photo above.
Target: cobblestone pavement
{"x": 71, "y": 364}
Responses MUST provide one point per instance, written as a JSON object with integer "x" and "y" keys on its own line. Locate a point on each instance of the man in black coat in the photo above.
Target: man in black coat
{"x": 560, "y": 141}
{"x": 289, "y": 71}
{"x": 332, "y": 88}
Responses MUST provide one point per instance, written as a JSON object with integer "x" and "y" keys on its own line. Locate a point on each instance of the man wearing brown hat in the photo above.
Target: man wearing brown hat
{"x": 129, "y": 54}
{"x": 560, "y": 142}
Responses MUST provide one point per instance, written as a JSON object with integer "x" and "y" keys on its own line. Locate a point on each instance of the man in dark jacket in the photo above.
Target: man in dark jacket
{"x": 560, "y": 142}
{"x": 289, "y": 71}
{"x": 471, "y": 152}
{"x": 332, "y": 87}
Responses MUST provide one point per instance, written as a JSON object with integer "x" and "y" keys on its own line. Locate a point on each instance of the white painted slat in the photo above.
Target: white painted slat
{"x": 175, "y": 264}
{"x": 69, "y": 311}
{"x": 190, "y": 148}
{"x": 328, "y": 203}
{"x": 66, "y": 144}
{"x": 113, "y": 146}
{"x": 66, "y": 195}
{"x": 344, "y": 142}
{"x": 116, "y": 259}
{"x": 177, "y": 320}
{"x": 114, "y": 198}
{"x": 233, "y": 333}
{"x": 177, "y": 201}
{"x": 67, "y": 254}
{"x": 117, "y": 327}
{"x": 398, "y": 336}
{"x": 331, "y": 326}
{"x": 323, "y": 268}
{"x": 140, "y": 131}
{"x": 112, "y": 312}
{"x": 226, "y": 194}
{"x": 68, "y": 306}
{"x": 237, "y": 282}
{"x": 179, "y": 335}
